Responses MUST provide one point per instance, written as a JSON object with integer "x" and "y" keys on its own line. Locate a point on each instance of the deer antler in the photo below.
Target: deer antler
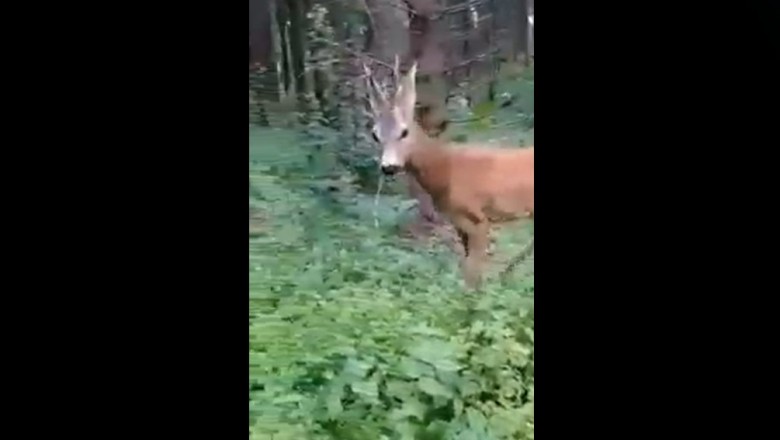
{"x": 376, "y": 94}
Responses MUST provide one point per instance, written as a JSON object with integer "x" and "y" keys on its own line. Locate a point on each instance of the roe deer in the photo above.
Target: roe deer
{"x": 473, "y": 185}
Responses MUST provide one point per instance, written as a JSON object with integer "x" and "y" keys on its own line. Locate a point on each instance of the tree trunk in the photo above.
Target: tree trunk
{"x": 430, "y": 47}
{"x": 506, "y": 18}
{"x": 479, "y": 27}
{"x": 521, "y": 36}
{"x": 277, "y": 48}
{"x": 390, "y": 34}
{"x": 297, "y": 43}
{"x": 262, "y": 71}
{"x": 530, "y": 37}
{"x": 284, "y": 43}
{"x": 260, "y": 48}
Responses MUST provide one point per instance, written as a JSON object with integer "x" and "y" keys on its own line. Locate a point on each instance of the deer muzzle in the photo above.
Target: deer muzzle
{"x": 390, "y": 169}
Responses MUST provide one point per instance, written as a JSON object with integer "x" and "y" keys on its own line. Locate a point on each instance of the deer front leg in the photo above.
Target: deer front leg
{"x": 475, "y": 241}
{"x": 464, "y": 240}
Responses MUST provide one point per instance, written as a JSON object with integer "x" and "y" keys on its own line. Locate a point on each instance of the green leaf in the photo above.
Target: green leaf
{"x": 432, "y": 387}
{"x": 425, "y": 330}
{"x": 367, "y": 389}
{"x": 457, "y": 407}
{"x": 288, "y": 398}
{"x": 355, "y": 369}
{"x": 476, "y": 420}
{"x": 411, "y": 407}
{"x": 406, "y": 430}
{"x": 436, "y": 430}
{"x": 333, "y": 401}
{"x": 400, "y": 389}
{"x": 446, "y": 365}
{"x": 505, "y": 423}
{"x": 440, "y": 354}
{"x": 415, "y": 369}
{"x": 449, "y": 379}
{"x": 490, "y": 357}
{"x": 508, "y": 422}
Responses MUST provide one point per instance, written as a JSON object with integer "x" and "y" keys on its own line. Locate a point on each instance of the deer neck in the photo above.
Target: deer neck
{"x": 428, "y": 163}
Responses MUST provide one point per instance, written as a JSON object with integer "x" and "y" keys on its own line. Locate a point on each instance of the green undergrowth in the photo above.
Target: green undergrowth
{"x": 356, "y": 333}
{"x": 508, "y": 120}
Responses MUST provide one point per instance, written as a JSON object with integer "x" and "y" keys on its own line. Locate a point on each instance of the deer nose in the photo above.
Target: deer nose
{"x": 389, "y": 170}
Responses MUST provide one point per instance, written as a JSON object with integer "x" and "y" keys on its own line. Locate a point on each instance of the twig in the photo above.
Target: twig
{"x": 370, "y": 18}
{"x": 376, "y": 200}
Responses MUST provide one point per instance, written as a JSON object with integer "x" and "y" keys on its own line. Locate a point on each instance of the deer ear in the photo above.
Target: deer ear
{"x": 407, "y": 94}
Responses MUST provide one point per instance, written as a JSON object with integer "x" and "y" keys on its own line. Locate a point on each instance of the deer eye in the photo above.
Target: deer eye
{"x": 404, "y": 134}
{"x": 373, "y": 135}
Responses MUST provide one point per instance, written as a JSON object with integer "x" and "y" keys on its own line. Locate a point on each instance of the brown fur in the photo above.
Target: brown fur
{"x": 473, "y": 185}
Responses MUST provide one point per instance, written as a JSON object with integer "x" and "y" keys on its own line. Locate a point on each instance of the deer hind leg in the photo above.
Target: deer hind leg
{"x": 518, "y": 259}
{"x": 474, "y": 236}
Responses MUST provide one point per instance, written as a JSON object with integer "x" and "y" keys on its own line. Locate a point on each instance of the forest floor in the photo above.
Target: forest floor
{"x": 360, "y": 327}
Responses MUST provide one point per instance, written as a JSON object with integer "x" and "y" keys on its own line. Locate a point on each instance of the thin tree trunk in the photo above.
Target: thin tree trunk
{"x": 284, "y": 43}
{"x": 277, "y": 48}
{"x": 530, "y": 33}
{"x": 297, "y": 39}
{"x": 521, "y": 36}
{"x": 480, "y": 58}
{"x": 292, "y": 89}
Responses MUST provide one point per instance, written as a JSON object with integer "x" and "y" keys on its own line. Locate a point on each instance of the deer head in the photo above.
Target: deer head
{"x": 393, "y": 118}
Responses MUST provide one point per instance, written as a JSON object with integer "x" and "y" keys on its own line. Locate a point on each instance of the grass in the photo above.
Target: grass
{"x": 357, "y": 333}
